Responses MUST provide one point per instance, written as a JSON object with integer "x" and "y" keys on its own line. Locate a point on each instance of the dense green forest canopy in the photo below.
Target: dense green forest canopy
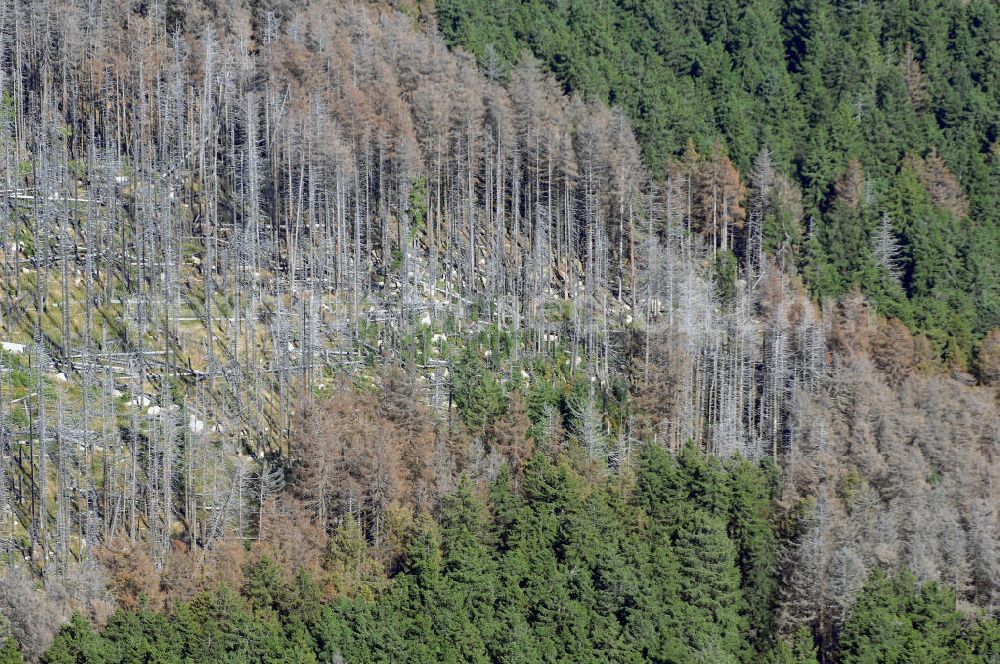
{"x": 901, "y": 100}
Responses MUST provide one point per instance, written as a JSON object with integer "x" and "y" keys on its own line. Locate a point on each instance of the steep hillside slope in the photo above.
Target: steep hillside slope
{"x": 900, "y": 96}
{"x": 274, "y": 273}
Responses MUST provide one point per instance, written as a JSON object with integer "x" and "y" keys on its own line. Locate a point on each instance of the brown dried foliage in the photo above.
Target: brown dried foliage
{"x": 360, "y": 453}
{"x": 720, "y": 194}
{"x": 988, "y": 359}
{"x": 850, "y": 187}
{"x": 941, "y": 184}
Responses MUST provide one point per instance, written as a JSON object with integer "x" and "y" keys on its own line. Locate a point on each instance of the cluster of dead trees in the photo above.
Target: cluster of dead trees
{"x": 896, "y": 466}
{"x": 215, "y": 213}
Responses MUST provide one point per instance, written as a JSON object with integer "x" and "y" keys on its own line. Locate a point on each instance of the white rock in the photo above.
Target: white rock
{"x": 425, "y": 320}
{"x": 437, "y": 338}
{"x": 195, "y": 425}
{"x": 153, "y": 410}
{"x": 141, "y": 401}
{"x": 12, "y": 348}
{"x": 61, "y": 377}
